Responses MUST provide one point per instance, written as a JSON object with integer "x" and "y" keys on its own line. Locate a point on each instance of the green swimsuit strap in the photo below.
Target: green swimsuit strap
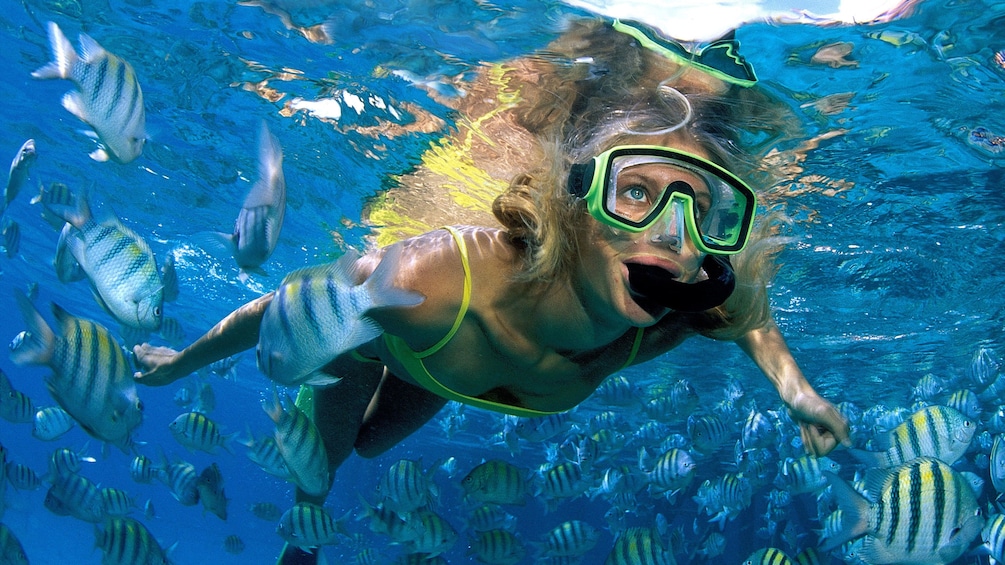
{"x": 465, "y": 298}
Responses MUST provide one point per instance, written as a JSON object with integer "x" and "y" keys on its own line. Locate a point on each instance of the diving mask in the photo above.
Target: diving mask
{"x": 634, "y": 187}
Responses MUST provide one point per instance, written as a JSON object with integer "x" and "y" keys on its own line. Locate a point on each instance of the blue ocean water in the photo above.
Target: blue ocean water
{"x": 898, "y": 206}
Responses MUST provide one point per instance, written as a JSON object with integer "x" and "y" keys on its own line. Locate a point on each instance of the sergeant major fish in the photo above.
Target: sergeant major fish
{"x": 256, "y": 231}
{"x": 91, "y": 378}
{"x": 318, "y": 313}
{"x": 109, "y": 100}
{"x": 120, "y": 265}
{"x": 934, "y": 431}
{"x": 301, "y": 446}
{"x": 919, "y": 512}
{"x": 23, "y": 160}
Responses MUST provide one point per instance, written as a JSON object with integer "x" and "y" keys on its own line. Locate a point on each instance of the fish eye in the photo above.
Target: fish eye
{"x": 157, "y": 310}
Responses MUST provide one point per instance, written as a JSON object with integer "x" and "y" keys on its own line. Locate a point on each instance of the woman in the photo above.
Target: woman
{"x": 621, "y": 240}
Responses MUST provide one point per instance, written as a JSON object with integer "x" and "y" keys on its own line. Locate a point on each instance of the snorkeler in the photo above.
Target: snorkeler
{"x": 630, "y": 234}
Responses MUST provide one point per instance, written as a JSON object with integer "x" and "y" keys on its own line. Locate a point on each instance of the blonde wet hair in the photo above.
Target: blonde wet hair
{"x": 601, "y": 90}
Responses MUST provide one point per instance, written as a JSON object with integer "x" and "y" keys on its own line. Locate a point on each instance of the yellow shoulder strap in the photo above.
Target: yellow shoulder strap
{"x": 465, "y": 298}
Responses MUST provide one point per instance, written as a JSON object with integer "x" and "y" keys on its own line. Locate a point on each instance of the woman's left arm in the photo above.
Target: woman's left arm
{"x": 822, "y": 427}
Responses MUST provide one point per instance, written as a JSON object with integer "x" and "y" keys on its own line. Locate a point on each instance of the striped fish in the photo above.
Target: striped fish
{"x": 639, "y": 546}
{"x": 51, "y": 423}
{"x": 11, "y": 550}
{"x": 997, "y": 468}
{"x": 16, "y": 407}
{"x": 233, "y": 544}
{"x": 301, "y": 446}
{"x": 256, "y": 231}
{"x": 498, "y": 547}
{"x": 266, "y": 454}
{"x": 919, "y": 512}
{"x": 211, "y": 494}
{"x": 768, "y": 556}
{"x": 672, "y": 472}
{"x": 10, "y": 236}
{"x": 67, "y": 268}
{"x": 967, "y": 402}
{"x": 570, "y": 539}
{"x": 76, "y": 496}
{"x": 182, "y": 480}
{"x": 196, "y": 431}
{"x": 317, "y": 314}
{"x": 805, "y": 474}
{"x": 109, "y": 98}
{"x": 993, "y": 538}
{"x": 125, "y": 541}
{"x": 23, "y": 160}
{"x": 91, "y": 378}
{"x": 405, "y": 488}
{"x": 808, "y": 556}
{"x": 495, "y": 482}
{"x": 265, "y": 511}
{"x": 308, "y": 525}
{"x": 116, "y": 502}
{"x": 562, "y": 482}
{"x": 934, "y": 431}
{"x": 65, "y": 461}
{"x": 142, "y": 469}
{"x": 490, "y": 517}
{"x": 707, "y": 432}
{"x": 22, "y": 477}
{"x": 436, "y": 535}
{"x": 119, "y": 264}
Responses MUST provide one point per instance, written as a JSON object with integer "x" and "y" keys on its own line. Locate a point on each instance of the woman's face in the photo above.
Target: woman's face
{"x": 606, "y": 252}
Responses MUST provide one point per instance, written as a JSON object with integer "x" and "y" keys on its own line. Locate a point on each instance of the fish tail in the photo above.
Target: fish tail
{"x": 855, "y": 521}
{"x": 35, "y": 345}
{"x": 75, "y": 211}
{"x": 270, "y": 157}
{"x": 380, "y": 284}
{"x": 275, "y": 411}
{"x": 63, "y": 54}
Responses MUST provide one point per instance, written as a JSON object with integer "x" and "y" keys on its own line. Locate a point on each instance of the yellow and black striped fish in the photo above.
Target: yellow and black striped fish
{"x": 768, "y": 556}
{"x": 91, "y": 378}
{"x": 125, "y": 541}
{"x": 919, "y": 512}
{"x": 934, "y": 431}
{"x": 300, "y": 444}
{"x": 307, "y": 525}
{"x": 109, "y": 100}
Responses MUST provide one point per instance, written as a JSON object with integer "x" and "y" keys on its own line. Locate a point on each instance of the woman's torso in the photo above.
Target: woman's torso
{"x": 522, "y": 344}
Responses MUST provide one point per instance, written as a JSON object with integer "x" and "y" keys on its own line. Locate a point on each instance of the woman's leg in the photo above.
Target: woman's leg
{"x": 338, "y": 412}
{"x": 396, "y": 410}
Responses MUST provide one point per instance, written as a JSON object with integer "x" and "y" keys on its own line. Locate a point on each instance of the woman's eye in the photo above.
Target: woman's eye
{"x": 637, "y": 193}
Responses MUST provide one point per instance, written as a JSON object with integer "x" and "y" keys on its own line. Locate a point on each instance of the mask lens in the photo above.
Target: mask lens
{"x": 640, "y": 187}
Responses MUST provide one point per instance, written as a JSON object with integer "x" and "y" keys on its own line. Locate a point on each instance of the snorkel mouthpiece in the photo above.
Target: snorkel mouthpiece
{"x": 659, "y": 286}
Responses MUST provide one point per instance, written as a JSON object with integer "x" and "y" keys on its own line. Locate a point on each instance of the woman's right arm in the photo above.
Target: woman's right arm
{"x": 233, "y": 334}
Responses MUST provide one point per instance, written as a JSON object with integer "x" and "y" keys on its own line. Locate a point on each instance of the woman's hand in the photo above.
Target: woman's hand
{"x": 821, "y": 426}
{"x": 159, "y": 364}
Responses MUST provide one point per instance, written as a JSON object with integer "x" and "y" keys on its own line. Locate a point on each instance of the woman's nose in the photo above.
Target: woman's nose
{"x": 670, "y": 229}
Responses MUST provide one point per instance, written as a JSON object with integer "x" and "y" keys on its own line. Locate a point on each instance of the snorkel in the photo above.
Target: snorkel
{"x": 660, "y": 287}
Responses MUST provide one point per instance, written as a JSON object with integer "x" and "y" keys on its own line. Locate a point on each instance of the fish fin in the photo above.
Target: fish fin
{"x": 77, "y": 213}
{"x": 215, "y": 243}
{"x": 63, "y": 54}
{"x": 380, "y": 283}
{"x": 100, "y": 155}
{"x": 275, "y": 411}
{"x": 320, "y": 378}
{"x": 270, "y": 167}
{"x": 856, "y": 512}
{"x": 37, "y": 343}
{"x": 74, "y": 104}
{"x": 90, "y": 50}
